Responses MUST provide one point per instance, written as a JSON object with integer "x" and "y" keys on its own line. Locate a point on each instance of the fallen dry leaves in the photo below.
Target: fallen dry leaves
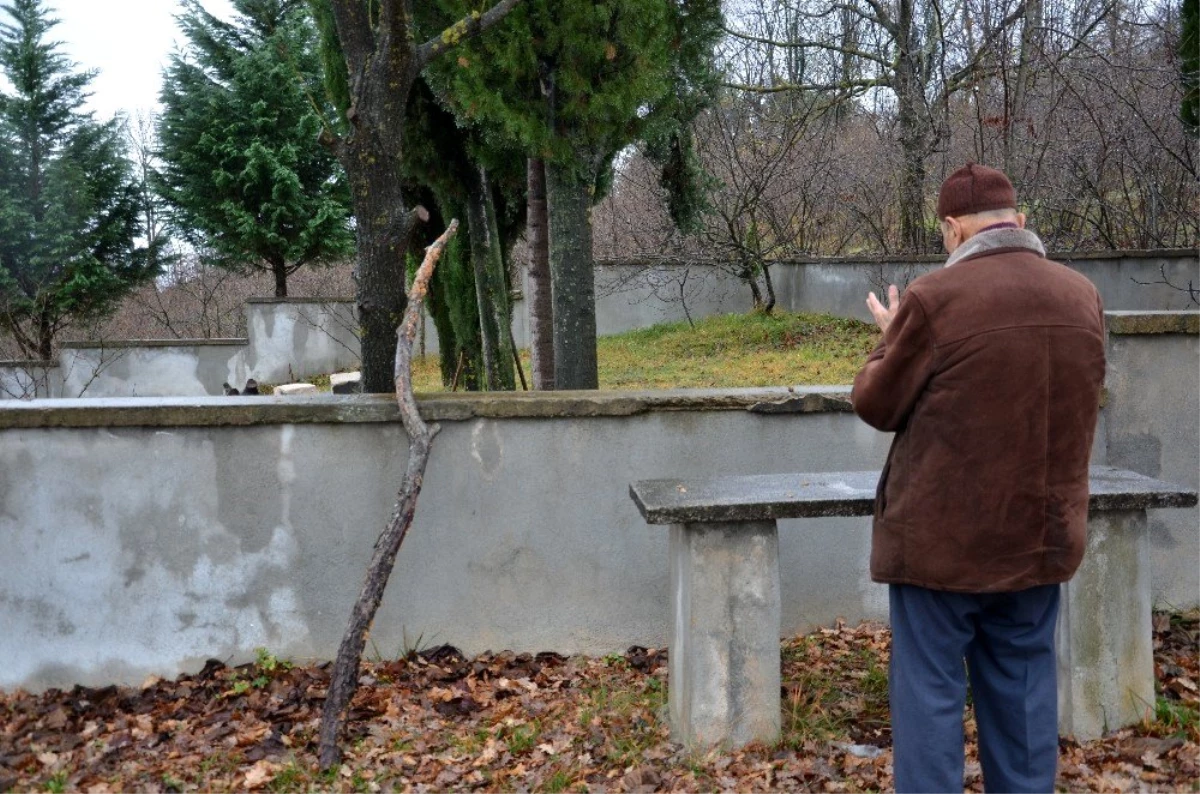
{"x": 438, "y": 722}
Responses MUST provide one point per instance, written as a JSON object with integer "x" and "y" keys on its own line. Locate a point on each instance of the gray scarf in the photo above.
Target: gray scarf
{"x": 997, "y": 238}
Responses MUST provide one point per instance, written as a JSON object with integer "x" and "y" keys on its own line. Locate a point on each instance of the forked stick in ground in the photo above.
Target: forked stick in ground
{"x": 344, "y": 680}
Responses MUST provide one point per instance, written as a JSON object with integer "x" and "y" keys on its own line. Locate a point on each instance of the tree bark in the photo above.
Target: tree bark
{"x": 540, "y": 300}
{"x": 569, "y": 196}
{"x": 279, "y": 269}
{"x": 344, "y": 679}
{"x": 498, "y": 288}
{"x": 383, "y": 60}
{"x": 45, "y": 330}
{"x": 491, "y": 292}
{"x": 477, "y": 228}
{"x": 910, "y": 97}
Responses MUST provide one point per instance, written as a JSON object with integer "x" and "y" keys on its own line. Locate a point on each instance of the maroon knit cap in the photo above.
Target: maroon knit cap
{"x": 975, "y": 188}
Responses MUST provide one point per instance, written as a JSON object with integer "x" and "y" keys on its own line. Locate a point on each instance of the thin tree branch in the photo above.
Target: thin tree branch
{"x": 467, "y": 27}
{"x": 344, "y": 679}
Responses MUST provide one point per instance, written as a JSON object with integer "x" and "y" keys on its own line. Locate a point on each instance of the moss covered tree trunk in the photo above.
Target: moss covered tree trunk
{"x": 491, "y": 295}
{"x": 540, "y": 299}
{"x": 569, "y": 198}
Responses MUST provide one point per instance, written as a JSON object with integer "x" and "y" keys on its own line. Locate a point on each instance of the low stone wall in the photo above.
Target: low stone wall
{"x": 151, "y": 367}
{"x": 25, "y": 380}
{"x": 634, "y": 295}
{"x": 147, "y": 535}
{"x": 291, "y": 339}
{"x": 287, "y": 340}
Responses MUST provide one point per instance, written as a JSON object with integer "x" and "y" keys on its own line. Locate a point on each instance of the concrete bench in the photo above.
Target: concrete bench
{"x": 725, "y": 630}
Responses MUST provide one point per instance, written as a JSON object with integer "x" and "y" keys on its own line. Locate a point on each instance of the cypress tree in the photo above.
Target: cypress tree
{"x": 243, "y": 171}
{"x": 69, "y": 205}
{"x": 573, "y": 82}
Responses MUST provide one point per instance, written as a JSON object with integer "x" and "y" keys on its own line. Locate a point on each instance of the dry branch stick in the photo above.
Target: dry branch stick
{"x": 344, "y": 680}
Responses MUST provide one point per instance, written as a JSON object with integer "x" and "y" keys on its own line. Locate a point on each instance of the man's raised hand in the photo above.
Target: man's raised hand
{"x": 883, "y": 314}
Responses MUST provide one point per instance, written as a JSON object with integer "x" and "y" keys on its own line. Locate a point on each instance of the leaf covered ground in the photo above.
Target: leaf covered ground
{"x": 435, "y": 721}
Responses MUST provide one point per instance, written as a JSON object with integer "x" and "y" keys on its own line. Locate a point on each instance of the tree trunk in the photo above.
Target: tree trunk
{"x": 491, "y": 291}
{"x": 383, "y": 229}
{"x": 1031, "y": 49}
{"x": 569, "y": 196}
{"x": 498, "y": 289}
{"x": 477, "y": 228}
{"x": 910, "y": 98}
{"x": 279, "y": 268}
{"x": 539, "y": 300}
{"x": 770, "y": 304}
{"x": 45, "y": 337}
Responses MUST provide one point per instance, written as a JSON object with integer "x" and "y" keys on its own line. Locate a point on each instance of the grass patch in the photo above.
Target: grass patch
{"x": 725, "y": 351}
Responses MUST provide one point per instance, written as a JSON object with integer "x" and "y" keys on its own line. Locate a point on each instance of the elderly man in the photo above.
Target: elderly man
{"x": 989, "y": 373}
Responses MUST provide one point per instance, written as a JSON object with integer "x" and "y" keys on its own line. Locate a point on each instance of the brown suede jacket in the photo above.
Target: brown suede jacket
{"x": 990, "y": 376}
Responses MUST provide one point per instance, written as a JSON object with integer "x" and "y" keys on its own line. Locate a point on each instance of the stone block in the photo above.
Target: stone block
{"x": 724, "y": 647}
{"x": 290, "y": 389}
{"x": 1105, "y": 636}
{"x": 346, "y": 382}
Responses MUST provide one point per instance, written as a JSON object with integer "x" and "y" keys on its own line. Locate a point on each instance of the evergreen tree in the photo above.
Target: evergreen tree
{"x": 1189, "y": 56}
{"x": 574, "y": 82}
{"x": 68, "y": 204}
{"x": 242, "y": 169}
{"x": 375, "y": 58}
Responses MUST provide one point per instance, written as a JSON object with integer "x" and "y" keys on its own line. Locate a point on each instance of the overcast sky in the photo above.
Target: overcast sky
{"x": 128, "y": 41}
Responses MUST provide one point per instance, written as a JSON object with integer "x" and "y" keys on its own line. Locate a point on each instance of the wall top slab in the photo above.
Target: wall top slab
{"x": 114, "y": 344}
{"x": 1139, "y": 322}
{"x": 366, "y": 408}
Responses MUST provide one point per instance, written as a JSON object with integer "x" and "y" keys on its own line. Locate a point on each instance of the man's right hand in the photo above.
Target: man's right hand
{"x": 883, "y": 314}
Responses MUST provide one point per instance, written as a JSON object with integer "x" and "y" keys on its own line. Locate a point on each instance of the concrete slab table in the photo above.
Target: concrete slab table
{"x": 724, "y": 639}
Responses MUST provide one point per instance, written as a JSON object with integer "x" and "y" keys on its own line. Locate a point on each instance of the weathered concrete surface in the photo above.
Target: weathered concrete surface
{"x": 290, "y": 339}
{"x": 1126, "y": 323}
{"x": 147, "y": 548}
{"x": 27, "y": 380}
{"x": 293, "y": 389}
{"x": 151, "y": 368}
{"x": 325, "y": 408}
{"x": 1152, "y": 426}
{"x": 724, "y": 660}
{"x": 764, "y": 497}
{"x": 634, "y": 295}
{"x": 1104, "y": 635}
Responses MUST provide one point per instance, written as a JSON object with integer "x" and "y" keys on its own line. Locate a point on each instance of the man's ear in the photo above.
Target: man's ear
{"x": 1020, "y": 220}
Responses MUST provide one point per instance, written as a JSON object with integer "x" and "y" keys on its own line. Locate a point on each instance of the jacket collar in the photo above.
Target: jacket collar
{"x": 994, "y": 239}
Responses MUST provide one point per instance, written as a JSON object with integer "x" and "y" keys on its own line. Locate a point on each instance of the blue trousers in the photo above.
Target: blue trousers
{"x": 1004, "y": 642}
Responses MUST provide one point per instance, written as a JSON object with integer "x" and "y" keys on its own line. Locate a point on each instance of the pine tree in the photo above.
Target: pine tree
{"x": 246, "y": 178}
{"x": 68, "y": 203}
{"x": 1189, "y": 63}
{"x": 574, "y": 82}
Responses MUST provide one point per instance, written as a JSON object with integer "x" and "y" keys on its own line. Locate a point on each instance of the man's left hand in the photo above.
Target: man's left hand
{"x": 883, "y": 314}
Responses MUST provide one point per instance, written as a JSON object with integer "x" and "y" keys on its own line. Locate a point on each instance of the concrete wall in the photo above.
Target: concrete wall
{"x": 149, "y": 535}
{"x": 1153, "y": 428}
{"x": 287, "y": 340}
{"x": 636, "y": 295}
{"x": 291, "y": 339}
{"x": 24, "y": 380}
{"x": 146, "y": 535}
{"x": 151, "y": 367}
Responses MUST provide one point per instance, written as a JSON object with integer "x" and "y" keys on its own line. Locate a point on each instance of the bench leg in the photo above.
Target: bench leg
{"x": 1105, "y": 636}
{"x": 724, "y": 652}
